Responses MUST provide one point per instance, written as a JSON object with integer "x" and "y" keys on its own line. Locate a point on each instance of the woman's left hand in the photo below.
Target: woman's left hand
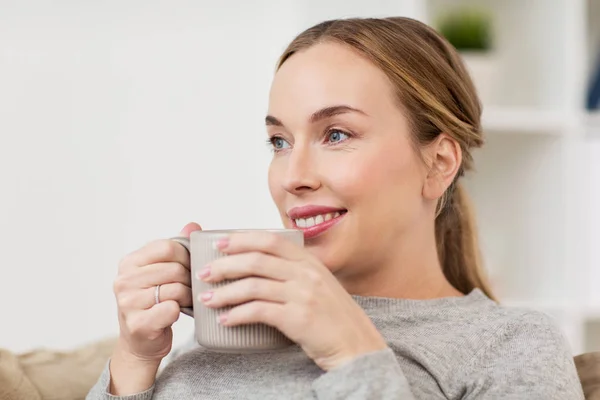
{"x": 282, "y": 285}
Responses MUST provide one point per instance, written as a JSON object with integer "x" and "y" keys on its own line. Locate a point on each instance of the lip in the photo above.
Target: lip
{"x": 311, "y": 211}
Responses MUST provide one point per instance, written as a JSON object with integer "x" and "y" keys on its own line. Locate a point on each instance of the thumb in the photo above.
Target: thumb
{"x": 189, "y": 228}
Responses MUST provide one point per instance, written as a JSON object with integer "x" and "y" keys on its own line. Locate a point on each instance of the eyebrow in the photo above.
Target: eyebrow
{"x": 319, "y": 115}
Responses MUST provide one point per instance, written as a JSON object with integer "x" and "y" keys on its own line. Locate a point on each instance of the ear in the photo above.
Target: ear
{"x": 445, "y": 158}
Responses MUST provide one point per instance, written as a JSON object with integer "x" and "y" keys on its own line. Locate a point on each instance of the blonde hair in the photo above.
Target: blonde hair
{"x": 433, "y": 86}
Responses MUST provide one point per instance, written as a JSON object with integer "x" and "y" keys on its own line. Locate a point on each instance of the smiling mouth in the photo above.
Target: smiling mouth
{"x": 317, "y": 220}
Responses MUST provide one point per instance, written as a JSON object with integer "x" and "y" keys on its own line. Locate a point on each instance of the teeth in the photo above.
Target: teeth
{"x": 316, "y": 220}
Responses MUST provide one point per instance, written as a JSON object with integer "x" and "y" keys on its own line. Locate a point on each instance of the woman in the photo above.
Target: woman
{"x": 372, "y": 122}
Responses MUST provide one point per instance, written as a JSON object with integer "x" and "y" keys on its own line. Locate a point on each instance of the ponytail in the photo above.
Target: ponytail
{"x": 457, "y": 244}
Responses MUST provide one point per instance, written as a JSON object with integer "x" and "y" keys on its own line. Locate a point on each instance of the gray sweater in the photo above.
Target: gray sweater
{"x": 452, "y": 348}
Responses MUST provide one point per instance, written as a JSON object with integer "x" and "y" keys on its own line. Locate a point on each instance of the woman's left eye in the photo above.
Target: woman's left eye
{"x": 335, "y": 136}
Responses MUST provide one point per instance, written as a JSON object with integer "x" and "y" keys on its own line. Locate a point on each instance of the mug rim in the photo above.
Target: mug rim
{"x": 249, "y": 230}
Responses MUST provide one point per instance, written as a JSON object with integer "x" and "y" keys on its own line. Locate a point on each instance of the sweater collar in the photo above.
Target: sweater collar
{"x": 387, "y": 304}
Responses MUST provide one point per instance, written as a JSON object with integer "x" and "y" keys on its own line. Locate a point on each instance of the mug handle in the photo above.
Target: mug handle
{"x": 185, "y": 242}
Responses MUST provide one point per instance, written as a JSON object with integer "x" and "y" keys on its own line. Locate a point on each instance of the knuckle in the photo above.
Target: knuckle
{"x": 120, "y": 284}
{"x": 258, "y": 311}
{"x": 273, "y": 242}
{"x": 165, "y": 249}
{"x": 125, "y": 262}
{"x": 308, "y": 297}
{"x": 254, "y": 287}
{"x": 181, "y": 273}
{"x": 256, "y": 262}
{"x": 313, "y": 277}
{"x": 172, "y": 310}
{"x": 182, "y": 291}
{"x": 125, "y": 302}
{"x": 304, "y": 316}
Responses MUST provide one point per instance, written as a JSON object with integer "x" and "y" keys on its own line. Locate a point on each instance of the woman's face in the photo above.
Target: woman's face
{"x": 344, "y": 168}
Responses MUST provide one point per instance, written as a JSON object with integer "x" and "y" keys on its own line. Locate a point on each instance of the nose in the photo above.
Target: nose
{"x": 301, "y": 175}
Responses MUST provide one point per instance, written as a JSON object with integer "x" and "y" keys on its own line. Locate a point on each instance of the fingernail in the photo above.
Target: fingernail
{"x": 221, "y": 244}
{"x": 204, "y": 272}
{"x": 221, "y": 319}
{"x": 206, "y": 296}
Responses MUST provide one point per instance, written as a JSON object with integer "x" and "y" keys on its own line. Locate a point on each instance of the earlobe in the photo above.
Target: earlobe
{"x": 446, "y": 159}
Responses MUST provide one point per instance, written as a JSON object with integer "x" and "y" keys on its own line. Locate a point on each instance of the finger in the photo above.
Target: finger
{"x": 254, "y": 312}
{"x": 158, "y": 251}
{"x": 160, "y": 274}
{"x": 150, "y": 323}
{"x": 145, "y": 298}
{"x": 264, "y": 242}
{"x": 178, "y": 292}
{"x": 248, "y": 264}
{"x": 243, "y": 291}
{"x": 163, "y": 315}
{"x": 189, "y": 228}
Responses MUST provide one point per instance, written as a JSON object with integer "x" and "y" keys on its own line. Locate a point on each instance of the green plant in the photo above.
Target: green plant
{"x": 467, "y": 29}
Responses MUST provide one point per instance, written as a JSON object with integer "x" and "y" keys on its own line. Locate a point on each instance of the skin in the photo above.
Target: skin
{"x": 362, "y": 160}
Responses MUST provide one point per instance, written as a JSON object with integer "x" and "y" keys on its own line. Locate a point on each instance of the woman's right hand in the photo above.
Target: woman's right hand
{"x": 145, "y": 327}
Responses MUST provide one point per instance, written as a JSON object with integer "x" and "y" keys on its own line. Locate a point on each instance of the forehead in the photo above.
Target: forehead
{"x": 327, "y": 74}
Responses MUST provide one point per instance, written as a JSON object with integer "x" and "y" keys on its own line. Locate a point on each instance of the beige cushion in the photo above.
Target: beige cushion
{"x": 14, "y": 384}
{"x": 49, "y": 375}
{"x": 588, "y": 368}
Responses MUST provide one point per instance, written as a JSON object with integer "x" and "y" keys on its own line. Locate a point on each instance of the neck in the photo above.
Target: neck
{"x": 412, "y": 271}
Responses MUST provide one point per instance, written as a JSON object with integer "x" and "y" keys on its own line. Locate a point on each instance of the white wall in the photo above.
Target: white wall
{"x": 593, "y": 234}
{"x": 120, "y": 121}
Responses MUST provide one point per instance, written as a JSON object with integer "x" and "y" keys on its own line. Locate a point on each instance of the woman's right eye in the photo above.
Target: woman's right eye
{"x": 279, "y": 143}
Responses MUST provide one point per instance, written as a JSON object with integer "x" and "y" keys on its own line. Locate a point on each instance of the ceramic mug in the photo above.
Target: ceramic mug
{"x": 209, "y": 333}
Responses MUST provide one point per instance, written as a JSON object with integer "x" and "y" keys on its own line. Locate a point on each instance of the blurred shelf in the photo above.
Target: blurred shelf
{"x": 541, "y": 159}
{"x": 525, "y": 121}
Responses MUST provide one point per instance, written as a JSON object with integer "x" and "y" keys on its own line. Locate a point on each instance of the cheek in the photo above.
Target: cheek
{"x": 384, "y": 175}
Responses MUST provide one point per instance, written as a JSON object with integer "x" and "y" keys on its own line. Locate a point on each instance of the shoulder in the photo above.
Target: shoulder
{"x": 525, "y": 325}
{"x": 521, "y": 353}
{"x": 534, "y": 330}
{"x": 483, "y": 329}
{"x": 519, "y": 338}
{"x": 501, "y": 325}
{"x": 525, "y": 322}
{"x": 470, "y": 322}
{"x": 504, "y": 320}
{"x": 525, "y": 349}
{"x": 485, "y": 347}
{"x": 468, "y": 328}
